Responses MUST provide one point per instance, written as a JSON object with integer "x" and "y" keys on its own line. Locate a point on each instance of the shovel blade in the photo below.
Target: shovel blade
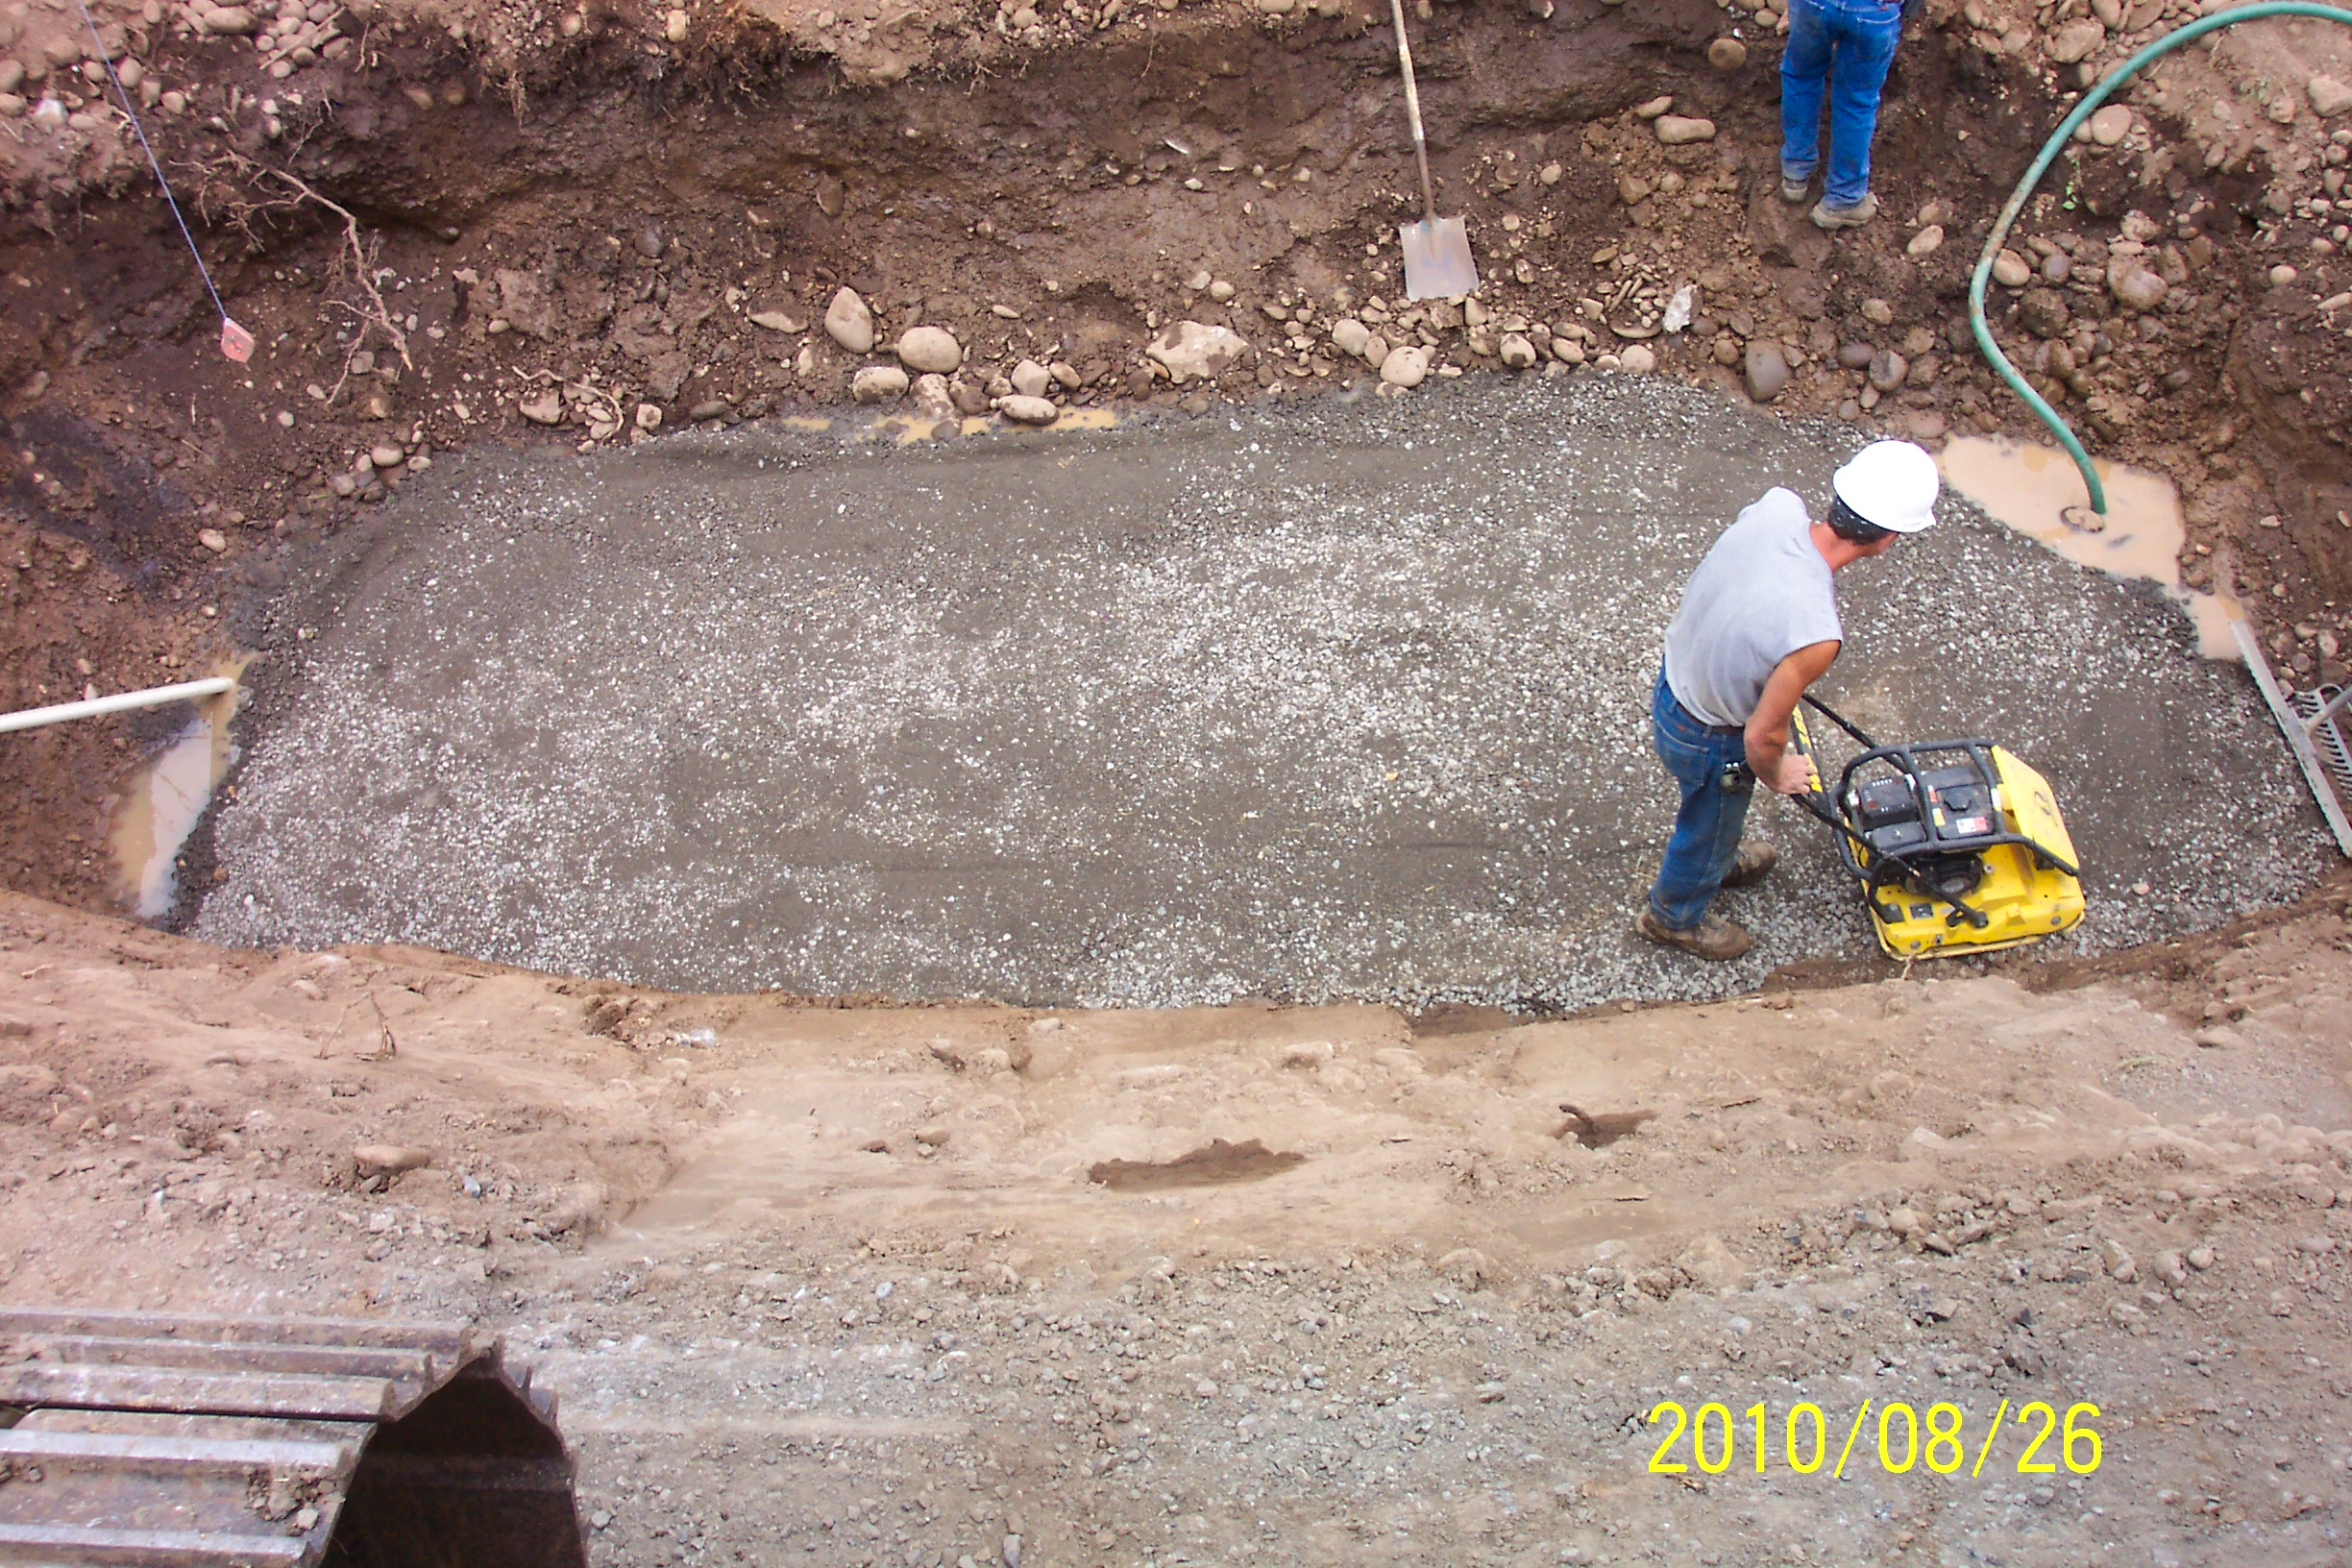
{"x": 1437, "y": 261}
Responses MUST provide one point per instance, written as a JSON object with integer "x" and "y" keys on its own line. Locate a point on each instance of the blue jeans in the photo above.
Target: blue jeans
{"x": 1842, "y": 47}
{"x": 1707, "y": 830}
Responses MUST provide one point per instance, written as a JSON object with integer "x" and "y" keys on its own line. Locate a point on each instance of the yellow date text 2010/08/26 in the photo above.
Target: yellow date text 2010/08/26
{"x": 1938, "y": 1439}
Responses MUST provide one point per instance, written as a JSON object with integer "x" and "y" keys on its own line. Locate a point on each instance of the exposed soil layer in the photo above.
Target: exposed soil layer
{"x": 585, "y": 213}
{"x": 79, "y": 622}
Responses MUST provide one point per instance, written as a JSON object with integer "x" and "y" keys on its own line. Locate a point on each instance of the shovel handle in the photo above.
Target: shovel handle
{"x": 1413, "y": 110}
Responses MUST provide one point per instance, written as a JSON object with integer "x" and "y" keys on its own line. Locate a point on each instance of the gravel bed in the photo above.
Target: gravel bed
{"x": 1346, "y": 700}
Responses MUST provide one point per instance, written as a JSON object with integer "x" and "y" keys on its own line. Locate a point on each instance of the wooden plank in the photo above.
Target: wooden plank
{"x": 190, "y": 1454}
{"x": 226, "y": 1356}
{"x": 448, "y": 1339}
{"x": 146, "y": 1547}
{"x": 203, "y": 1393}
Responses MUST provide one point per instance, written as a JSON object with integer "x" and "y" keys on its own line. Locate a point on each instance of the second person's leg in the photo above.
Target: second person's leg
{"x": 1804, "y": 78}
{"x": 1866, "y": 34}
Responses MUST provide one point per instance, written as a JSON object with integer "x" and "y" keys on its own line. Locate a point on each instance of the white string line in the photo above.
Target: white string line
{"x": 169, "y": 200}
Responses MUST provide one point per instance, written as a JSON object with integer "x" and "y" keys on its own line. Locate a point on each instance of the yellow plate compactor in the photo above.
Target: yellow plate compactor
{"x": 1958, "y": 846}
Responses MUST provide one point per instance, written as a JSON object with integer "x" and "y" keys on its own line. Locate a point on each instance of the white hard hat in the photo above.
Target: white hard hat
{"x": 1890, "y": 483}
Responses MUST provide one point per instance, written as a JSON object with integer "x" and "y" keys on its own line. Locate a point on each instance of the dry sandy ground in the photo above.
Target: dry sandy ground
{"x": 832, "y": 1285}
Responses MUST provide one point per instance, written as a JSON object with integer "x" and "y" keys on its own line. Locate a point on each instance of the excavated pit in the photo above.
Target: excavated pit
{"x": 1342, "y": 701}
{"x": 576, "y": 219}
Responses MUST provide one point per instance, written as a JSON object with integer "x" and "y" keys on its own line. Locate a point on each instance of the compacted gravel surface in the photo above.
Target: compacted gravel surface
{"x": 1341, "y": 701}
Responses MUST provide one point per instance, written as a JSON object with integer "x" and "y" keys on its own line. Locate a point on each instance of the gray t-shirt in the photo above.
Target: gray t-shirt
{"x": 1762, "y": 592}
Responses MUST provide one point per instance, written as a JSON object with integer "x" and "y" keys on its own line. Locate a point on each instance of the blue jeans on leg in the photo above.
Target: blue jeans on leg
{"x": 1840, "y": 49}
{"x": 1707, "y": 830}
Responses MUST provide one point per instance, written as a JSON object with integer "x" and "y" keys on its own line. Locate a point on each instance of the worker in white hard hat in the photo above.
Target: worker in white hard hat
{"x": 1758, "y": 625}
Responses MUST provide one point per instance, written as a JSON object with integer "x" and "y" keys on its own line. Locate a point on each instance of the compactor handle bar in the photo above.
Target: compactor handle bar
{"x": 1834, "y": 717}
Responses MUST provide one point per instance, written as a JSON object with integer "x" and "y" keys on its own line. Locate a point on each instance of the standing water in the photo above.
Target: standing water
{"x": 2036, "y": 491}
{"x": 168, "y": 800}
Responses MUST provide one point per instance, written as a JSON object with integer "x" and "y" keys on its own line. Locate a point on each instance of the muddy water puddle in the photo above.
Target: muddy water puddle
{"x": 2037, "y": 492}
{"x": 1211, "y": 1165}
{"x": 168, "y": 800}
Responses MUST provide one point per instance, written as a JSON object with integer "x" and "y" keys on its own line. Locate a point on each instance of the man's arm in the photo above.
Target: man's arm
{"x": 1768, "y": 727}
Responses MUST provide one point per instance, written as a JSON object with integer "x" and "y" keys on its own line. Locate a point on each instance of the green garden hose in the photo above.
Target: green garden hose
{"x": 2083, "y": 110}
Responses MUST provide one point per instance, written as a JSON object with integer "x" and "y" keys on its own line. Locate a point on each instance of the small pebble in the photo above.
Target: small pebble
{"x": 1679, "y": 130}
{"x": 930, "y": 348}
{"x": 877, "y": 384}
{"x": 1406, "y": 366}
{"x": 849, "y": 323}
{"x": 1031, "y": 379}
{"x": 1023, "y": 409}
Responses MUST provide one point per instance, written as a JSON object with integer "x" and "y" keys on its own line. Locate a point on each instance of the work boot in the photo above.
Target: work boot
{"x": 1752, "y": 865}
{"x": 1793, "y": 192}
{"x": 1825, "y": 216}
{"x": 1714, "y": 937}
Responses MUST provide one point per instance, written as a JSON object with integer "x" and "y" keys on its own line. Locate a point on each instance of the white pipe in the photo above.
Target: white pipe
{"x": 155, "y": 697}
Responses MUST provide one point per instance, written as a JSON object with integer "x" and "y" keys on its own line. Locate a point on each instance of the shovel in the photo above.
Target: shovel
{"x": 1437, "y": 261}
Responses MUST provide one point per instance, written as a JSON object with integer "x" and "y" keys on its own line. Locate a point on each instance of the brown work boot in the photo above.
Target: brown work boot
{"x": 1752, "y": 865}
{"x": 1825, "y": 216}
{"x": 1713, "y": 937}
